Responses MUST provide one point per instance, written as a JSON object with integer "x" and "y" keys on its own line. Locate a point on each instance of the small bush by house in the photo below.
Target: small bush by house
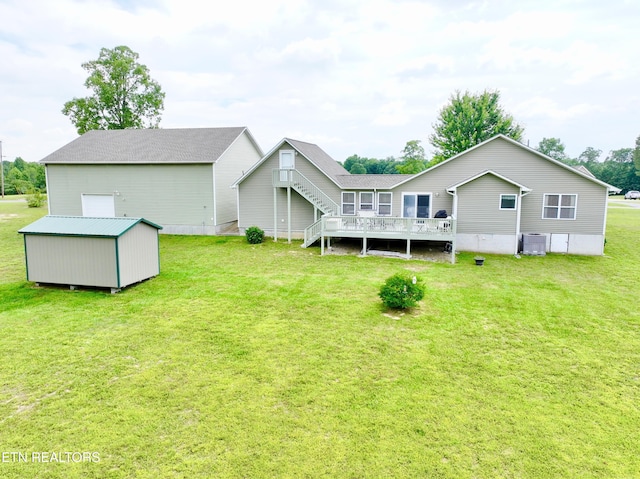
{"x": 254, "y": 235}
{"x": 402, "y": 291}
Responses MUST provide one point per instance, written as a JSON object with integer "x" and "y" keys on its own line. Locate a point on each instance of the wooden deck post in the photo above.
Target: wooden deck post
{"x": 408, "y": 248}
{"x": 289, "y": 214}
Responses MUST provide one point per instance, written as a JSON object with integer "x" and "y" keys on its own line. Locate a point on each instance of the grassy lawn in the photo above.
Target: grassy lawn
{"x": 271, "y": 361}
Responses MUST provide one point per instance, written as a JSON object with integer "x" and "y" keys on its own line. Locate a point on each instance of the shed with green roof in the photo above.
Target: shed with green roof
{"x": 84, "y": 251}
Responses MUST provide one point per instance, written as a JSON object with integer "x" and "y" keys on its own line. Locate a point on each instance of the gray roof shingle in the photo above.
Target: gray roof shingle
{"x": 371, "y": 181}
{"x": 144, "y": 146}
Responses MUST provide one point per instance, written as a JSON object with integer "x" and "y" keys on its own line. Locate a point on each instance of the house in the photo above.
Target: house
{"x": 495, "y": 194}
{"x": 100, "y": 252}
{"x": 177, "y": 178}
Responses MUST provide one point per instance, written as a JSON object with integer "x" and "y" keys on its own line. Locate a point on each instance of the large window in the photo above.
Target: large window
{"x": 366, "y": 200}
{"x": 348, "y": 203}
{"x": 508, "y": 202}
{"x": 559, "y": 207}
{"x": 384, "y": 203}
{"x": 416, "y": 205}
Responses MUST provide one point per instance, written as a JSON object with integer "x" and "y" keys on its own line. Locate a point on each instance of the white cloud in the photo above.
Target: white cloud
{"x": 354, "y": 76}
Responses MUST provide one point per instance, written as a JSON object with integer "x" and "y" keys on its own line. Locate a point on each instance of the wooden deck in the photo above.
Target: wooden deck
{"x": 384, "y": 227}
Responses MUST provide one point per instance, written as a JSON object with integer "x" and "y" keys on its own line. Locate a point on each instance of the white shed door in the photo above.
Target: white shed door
{"x": 101, "y": 206}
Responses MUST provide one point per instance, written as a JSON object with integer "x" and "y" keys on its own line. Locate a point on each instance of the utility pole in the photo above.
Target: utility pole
{"x": 1, "y": 170}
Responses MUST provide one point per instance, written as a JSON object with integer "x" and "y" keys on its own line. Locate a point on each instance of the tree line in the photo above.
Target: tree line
{"x": 23, "y": 177}
{"x": 469, "y": 119}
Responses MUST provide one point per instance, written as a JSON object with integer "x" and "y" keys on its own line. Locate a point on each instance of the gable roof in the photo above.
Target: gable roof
{"x": 452, "y": 188}
{"x": 149, "y": 146}
{"x": 524, "y": 147}
{"x": 84, "y": 226}
{"x": 312, "y": 152}
{"x": 331, "y": 168}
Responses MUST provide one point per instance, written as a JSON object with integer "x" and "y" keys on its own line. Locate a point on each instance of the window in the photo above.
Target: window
{"x": 348, "y": 203}
{"x": 508, "y": 202}
{"x": 561, "y": 207}
{"x": 416, "y": 205}
{"x": 384, "y": 204}
{"x": 366, "y": 200}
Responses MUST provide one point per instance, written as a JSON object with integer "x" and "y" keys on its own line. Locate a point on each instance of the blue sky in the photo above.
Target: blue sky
{"x": 353, "y": 76}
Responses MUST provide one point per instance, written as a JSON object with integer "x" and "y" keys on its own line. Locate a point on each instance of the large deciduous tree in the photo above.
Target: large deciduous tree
{"x": 123, "y": 94}
{"x": 413, "y": 158}
{"x": 470, "y": 119}
{"x": 553, "y": 148}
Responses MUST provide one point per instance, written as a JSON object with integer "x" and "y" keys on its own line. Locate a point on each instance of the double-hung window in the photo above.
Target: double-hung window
{"x": 384, "y": 203}
{"x": 348, "y": 203}
{"x": 366, "y": 200}
{"x": 559, "y": 206}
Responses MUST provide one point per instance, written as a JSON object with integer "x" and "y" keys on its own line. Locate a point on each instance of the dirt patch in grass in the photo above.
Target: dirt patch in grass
{"x": 423, "y": 250}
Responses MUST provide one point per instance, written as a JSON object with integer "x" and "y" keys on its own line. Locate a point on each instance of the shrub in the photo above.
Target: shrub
{"x": 402, "y": 291}
{"x": 36, "y": 199}
{"x": 254, "y": 235}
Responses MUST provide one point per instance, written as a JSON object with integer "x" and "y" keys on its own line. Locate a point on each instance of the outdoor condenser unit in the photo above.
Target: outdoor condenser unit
{"x": 534, "y": 244}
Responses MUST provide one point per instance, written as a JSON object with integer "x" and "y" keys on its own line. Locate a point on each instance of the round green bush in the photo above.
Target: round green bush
{"x": 254, "y": 235}
{"x": 402, "y": 291}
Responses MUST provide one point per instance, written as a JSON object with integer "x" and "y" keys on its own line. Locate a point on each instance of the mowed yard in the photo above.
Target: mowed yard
{"x": 272, "y": 361}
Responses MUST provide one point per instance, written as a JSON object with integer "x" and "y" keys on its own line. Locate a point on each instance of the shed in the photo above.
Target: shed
{"x": 83, "y": 251}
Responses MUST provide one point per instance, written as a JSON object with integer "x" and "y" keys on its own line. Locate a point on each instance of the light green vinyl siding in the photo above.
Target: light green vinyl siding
{"x": 256, "y": 196}
{"x": 240, "y": 157}
{"x": 526, "y": 168}
{"x": 164, "y": 194}
{"x": 138, "y": 254}
{"x": 63, "y": 260}
{"x": 479, "y": 206}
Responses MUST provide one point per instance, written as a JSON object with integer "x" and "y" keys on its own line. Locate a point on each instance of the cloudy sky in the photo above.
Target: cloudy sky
{"x": 353, "y": 76}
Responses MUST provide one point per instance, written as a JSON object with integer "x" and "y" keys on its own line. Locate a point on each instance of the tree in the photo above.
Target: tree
{"x": 124, "y": 95}
{"x": 590, "y": 155}
{"x": 468, "y": 120}
{"x": 413, "y": 158}
{"x": 636, "y": 155}
{"x": 553, "y": 148}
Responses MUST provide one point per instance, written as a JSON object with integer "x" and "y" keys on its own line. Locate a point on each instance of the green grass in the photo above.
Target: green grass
{"x": 270, "y": 361}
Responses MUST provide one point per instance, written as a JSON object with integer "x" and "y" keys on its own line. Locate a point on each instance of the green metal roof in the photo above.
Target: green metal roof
{"x": 84, "y": 226}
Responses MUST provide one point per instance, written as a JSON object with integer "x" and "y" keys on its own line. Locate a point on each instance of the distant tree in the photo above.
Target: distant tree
{"x": 589, "y": 155}
{"x": 470, "y": 119}
{"x": 553, "y": 148}
{"x": 618, "y": 170}
{"x": 358, "y": 169}
{"x": 413, "y": 159}
{"x": 22, "y": 177}
{"x": 636, "y": 156}
{"x": 355, "y": 165}
{"x": 124, "y": 95}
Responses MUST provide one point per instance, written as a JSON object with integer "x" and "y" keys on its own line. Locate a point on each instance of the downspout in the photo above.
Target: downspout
{"x": 519, "y": 218}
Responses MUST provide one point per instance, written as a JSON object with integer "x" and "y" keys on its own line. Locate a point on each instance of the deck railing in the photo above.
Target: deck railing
{"x": 312, "y": 233}
{"x": 389, "y": 227}
{"x": 307, "y": 189}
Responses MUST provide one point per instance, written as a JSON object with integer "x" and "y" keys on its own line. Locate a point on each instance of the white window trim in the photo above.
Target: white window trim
{"x": 293, "y": 157}
{"x": 515, "y": 206}
{"x": 560, "y": 195}
{"x": 342, "y": 203}
{"x": 373, "y": 200}
{"x": 390, "y": 204}
{"x": 416, "y": 194}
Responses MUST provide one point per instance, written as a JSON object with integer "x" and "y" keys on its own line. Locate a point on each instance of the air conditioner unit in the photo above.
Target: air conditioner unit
{"x": 534, "y": 244}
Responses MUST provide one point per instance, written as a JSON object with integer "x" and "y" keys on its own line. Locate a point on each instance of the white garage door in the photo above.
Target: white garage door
{"x": 98, "y": 206}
